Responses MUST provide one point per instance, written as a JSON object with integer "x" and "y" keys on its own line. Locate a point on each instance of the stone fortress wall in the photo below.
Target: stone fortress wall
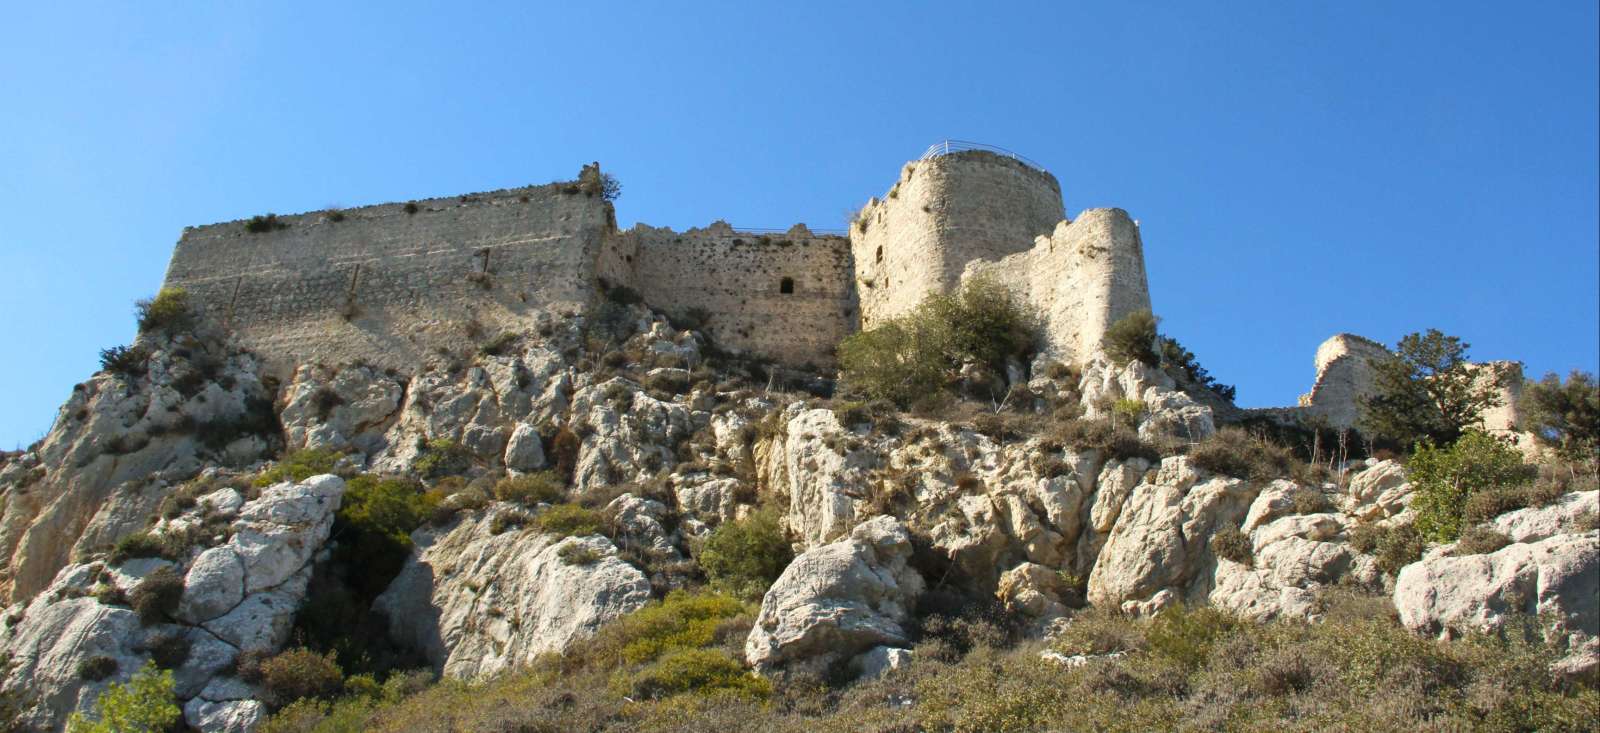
{"x": 391, "y": 287}
{"x": 941, "y": 214}
{"x": 398, "y": 285}
{"x": 787, "y": 297}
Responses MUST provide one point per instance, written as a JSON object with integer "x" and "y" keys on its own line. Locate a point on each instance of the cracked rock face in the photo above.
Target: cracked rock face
{"x": 239, "y": 595}
{"x": 476, "y": 603}
{"x": 116, "y": 448}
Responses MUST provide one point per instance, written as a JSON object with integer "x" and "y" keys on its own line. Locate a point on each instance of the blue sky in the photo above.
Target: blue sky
{"x": 1299, "y": 169}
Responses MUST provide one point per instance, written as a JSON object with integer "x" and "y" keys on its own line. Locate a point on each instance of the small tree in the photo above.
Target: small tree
{"x": 143, "y": 705}
{"x": 1426, "y": 391}
{"x": 1133, "y": 338}
{"x": 1445, "y": 477}
{"x": 1175, "y": 357}
{"x": 1565, "y": 416}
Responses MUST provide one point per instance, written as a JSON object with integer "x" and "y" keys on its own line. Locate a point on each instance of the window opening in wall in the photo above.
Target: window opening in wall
{"x": 880, "y": 253}
{"x": 786, "y": 285}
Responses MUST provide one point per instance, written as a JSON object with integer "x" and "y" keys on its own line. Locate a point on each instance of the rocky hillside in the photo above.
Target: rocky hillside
{"x": 606, "y": 522}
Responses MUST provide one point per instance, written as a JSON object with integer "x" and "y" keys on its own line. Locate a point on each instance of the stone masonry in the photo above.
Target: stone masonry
{"x": 396, "y": 285}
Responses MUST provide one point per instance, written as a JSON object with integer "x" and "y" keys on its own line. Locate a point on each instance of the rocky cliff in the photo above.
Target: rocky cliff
{"x": 188, "y": 510}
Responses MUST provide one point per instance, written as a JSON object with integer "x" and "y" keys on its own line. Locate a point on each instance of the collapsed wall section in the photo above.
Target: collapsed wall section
{"x": 394, "y": 283}
{"x": 942, "y": 213}
{"x": 786, "y": 297}
{"x": 1080, "y": 279}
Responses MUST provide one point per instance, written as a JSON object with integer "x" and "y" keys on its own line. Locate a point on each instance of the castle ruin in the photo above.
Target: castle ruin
{"x": 394, "y": 284}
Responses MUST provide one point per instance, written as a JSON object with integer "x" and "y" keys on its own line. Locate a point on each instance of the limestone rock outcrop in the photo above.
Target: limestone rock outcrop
{"x": 238, "y": 595}
{"x": 119, "y": 444}
{"x": 1555, "y": 581}
{"x": 839, "y": 599}
{"x": 476, "y": 602}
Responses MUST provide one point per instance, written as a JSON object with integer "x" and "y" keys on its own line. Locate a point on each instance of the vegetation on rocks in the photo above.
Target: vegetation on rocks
{"x": 143, "y": 704}
{"x": 1447, "y": 478}
{"x": 1566, "y": 416}
{"x": 744, "y": 556}
{"x": 1428, "y": 390}
{"x": 916, "y": 356}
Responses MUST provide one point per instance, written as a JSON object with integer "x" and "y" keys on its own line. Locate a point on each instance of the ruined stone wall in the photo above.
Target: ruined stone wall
{"x": 942, "y": 213}
{"x": 1344, "y": 379}
{"x": 386, "y": 286}
{"x": 738, "y": 279}
{"x": 1080, "y": 279}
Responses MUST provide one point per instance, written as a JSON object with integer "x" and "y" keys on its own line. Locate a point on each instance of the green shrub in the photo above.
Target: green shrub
{"x": 911, "y": 358}
{"x": 682, "y": 620}
{"x": 157, "y": 595}
{"x": 1445, "y": 478}
{"x": 1133, "y": 338}
{"x": 143, "y": 544}
{"x": 300, "y": 673}
{"x": 145, "y": 704}
{"x": 1394, "y": 547}
{"x": 169, "y": 311}
{"x": 1186, "y": 635}
{"x": 94, "y": 669}
{"x": 299, "y": 466}
{"x": 1231, "y": 544}
{"x": 700, "y": 671}
{"x": 442, "y": 457}
{"x": 126, "y": 360}
{"x": 567, "y": 520}
{"x": 531, "y": 488}
{"x": 745, "y": 556}
{"x": 1127, "y": 412}
{"x": 374, "y": 524}
{"x": 1480, "y": 541}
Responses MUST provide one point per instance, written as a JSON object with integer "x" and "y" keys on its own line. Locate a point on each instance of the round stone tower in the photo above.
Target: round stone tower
{"x": 946, "y": 210}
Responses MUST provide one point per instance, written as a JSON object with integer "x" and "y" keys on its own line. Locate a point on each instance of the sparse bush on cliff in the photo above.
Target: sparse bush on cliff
{"x": 374, "y": 524}
{"x": 1393, "y": 547}
{"x": 1233, "y": 452}
{"x": 914, "y": 357}
{"x": 701, "y": 671}
{"x": 743, "y": 557}
{"x": 144, "y": 704}
{"x": 567, "y": 520}
{"x": 1111, "y": 440}
{"x": 157, "y": 595}
{"x": 299, "y": 466}
{"x": 297, "y": 674}
{"x": 169, "y": 311}
{"x": 1231, "y": 544}
{"x": 126, "y": 360}
{"x": 531, "y": 488}
{"x": 442, "y": 457}
{"x": 96, "y": 668}
{"x": 1446, "y": 478}
{"x": 1133, "y": 338}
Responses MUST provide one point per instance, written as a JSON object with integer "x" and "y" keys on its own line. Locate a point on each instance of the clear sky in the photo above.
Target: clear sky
{"x": 1299, "y": 168}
